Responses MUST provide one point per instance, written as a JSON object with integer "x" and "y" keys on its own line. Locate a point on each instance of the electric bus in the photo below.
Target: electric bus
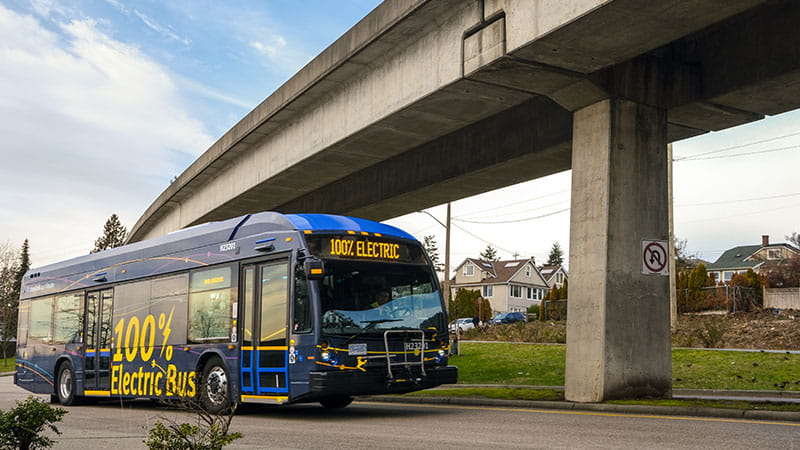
{"x": 266, "y": 308}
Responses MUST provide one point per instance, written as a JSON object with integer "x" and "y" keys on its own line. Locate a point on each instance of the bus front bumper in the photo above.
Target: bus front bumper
{"x": 376, "y": 382}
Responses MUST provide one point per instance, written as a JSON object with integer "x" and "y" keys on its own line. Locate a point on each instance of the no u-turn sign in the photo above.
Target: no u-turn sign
{"x": 655, "y": 258}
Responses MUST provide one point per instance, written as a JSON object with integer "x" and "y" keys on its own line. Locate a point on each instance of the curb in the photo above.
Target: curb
{"x": 753, "y": 395}
{"x": 724, "y": 413}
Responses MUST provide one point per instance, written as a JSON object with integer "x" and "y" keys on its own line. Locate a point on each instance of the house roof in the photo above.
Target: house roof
{"x": 499, "y": 271}
{"x": 735, "y": 258}
{"x": 738, "y": 257}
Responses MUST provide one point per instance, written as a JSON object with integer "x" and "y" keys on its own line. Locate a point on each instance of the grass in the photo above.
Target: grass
{"x": 543, "y": 365}
{"x": 499, "y": 363}
{"x": 552, "y": 395}
{"x": 7, "y": 364}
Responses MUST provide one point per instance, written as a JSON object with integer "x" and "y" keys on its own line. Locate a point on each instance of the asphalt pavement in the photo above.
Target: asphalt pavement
{"x": 727, "y": 413}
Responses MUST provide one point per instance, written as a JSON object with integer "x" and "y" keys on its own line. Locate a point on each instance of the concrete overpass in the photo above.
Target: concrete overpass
{"x": 426, "y": 101}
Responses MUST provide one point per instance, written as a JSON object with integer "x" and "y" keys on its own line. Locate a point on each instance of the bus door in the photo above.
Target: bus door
{"x": 264, "y": 359}
{"x": 97, "y": 369}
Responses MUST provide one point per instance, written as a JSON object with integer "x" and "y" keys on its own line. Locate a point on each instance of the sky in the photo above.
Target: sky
{"x": 104, "y": 102}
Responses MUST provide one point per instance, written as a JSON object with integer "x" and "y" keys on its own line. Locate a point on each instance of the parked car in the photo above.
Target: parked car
{"x": 509, "y": 317}
{"x": 463, "y": 324}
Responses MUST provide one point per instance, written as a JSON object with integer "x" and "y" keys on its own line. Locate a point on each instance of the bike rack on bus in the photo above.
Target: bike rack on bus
{"x": 405, "y": 362}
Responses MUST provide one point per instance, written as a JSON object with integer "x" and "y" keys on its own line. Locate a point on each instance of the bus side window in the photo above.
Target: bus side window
{"x": 22, "y": 325}
{"x": 41, "y": 317}
{"x": 302, "y": 303}
{"x": 67, "y": 318}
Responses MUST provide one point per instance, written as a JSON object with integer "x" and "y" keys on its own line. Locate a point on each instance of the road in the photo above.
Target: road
{"x": 371, "y": 425}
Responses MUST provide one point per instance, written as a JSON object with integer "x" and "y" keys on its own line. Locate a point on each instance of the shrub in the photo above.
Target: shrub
{"x": 712, "y": 333}
{"x": 21, "y": 427}
{"x": 210, "y": 432}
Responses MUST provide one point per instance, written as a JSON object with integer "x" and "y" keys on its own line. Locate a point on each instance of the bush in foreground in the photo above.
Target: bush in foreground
{"x": 21, "y": 427}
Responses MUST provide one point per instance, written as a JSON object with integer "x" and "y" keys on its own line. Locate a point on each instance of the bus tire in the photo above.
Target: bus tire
{"x": 65, "y": 384}
{"x": 215, "y": 387}
{"x": 337, "y": 402}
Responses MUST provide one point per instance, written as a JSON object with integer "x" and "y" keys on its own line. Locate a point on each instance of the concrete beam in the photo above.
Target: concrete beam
{"x": 527, "y": 141}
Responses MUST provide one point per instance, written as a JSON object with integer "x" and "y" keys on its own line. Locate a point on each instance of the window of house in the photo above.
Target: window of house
{"x": 488, "y": 291}
{"x": 726, "y": 276}
{"x": 469, "y": 270}
{"x": 528, "y": 271}
{"x": 715, "y": 276}
{"x": 516, "y": 291}
{"x": 774, "y": 253}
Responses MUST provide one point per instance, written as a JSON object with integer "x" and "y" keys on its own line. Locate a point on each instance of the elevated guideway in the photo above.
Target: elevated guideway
{"x": 428, "y": 101}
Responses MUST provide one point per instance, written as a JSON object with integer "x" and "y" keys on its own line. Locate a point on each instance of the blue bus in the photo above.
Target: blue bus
{"x": 267, "y": 308}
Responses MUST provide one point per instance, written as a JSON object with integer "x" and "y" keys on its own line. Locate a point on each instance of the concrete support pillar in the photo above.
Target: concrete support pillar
{"x": 618, "y": 327}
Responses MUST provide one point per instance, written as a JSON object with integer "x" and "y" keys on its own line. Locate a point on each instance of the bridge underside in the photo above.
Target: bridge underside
{"x": 425, "y": 102}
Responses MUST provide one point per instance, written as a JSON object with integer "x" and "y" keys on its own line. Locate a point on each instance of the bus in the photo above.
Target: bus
{"x": 264, "y": 308}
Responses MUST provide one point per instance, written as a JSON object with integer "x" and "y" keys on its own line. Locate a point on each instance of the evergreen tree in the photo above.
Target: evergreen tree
{"x": 695, "y": 295}
{"x": 12, "y": 271}
{"x": 113, "y": 235}
{"x": 22, "y": 267}
{"x": 794, "y": 239}
{"x": 489, "y": 254}
{"x": 465, "y": 304}
{"x": 429, "y": 243}
{"x": 556, "y": 257}
{"x": 484, "y": 310}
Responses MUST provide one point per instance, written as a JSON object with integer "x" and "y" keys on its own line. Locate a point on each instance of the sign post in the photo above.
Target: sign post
{"x": 655, "y": 258}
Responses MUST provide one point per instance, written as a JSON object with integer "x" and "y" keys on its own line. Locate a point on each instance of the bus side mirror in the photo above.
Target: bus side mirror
{"x": 315, "y": 269}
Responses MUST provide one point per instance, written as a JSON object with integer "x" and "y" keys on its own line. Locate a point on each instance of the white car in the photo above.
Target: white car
{"x": 462, "y": 324}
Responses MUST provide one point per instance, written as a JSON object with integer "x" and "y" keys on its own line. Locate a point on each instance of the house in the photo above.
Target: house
{"x": 555, "y": 275}
{"x": 508, "y": 285}
{"x": 756, "y": 257}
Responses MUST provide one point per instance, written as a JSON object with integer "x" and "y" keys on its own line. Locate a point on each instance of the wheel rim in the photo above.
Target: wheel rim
{"x": 65, "y": 384}
{"x": 217, "y": 386}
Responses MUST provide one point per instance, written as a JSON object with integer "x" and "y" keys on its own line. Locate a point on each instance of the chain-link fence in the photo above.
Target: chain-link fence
{"x": 720, "y": 298}
{"x": 553, "y": 310}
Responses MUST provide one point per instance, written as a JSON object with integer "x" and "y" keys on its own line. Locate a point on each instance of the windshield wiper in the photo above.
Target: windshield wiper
{"x": 372, "y": 323}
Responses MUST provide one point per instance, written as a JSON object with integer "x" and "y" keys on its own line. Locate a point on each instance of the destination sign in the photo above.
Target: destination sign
{"x": 364, "y": 247}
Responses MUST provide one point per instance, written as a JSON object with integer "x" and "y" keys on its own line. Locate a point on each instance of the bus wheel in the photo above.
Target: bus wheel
{"x": 214, "y": 392}
{"x": 65, "y": 389}
{"x": 339, "y": 401}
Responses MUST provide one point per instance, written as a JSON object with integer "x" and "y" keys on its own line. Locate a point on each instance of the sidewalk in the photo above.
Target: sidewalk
{"x": 691, "y": 411}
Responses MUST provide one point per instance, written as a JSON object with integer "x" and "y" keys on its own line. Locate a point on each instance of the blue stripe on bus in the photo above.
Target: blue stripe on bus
{"x": 327, "y": 222}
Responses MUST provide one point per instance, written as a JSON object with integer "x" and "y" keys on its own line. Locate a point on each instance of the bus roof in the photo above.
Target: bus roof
{"x": 59, "y": 276}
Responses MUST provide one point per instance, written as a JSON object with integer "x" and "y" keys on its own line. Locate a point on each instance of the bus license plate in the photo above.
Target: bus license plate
{"x": 357, "y": 349}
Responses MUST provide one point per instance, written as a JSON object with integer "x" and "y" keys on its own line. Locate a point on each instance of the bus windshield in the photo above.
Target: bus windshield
{"x": 357, "y": 297}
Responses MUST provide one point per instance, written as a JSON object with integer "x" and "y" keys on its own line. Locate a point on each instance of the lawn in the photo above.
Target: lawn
{"x": 537, "y": 364}
{"x": 7, "y": 365}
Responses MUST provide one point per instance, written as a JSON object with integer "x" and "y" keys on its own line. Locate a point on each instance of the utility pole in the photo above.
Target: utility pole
{"x": 673, "y": 277}
{"x": 447, "y": 257}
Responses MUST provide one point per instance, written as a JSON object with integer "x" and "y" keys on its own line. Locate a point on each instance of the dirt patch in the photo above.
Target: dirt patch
{"x": 764, "y": 330}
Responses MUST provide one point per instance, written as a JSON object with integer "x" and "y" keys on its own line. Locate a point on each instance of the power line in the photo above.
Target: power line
{"x": 734, "y": 147}
{"x": 513, "y": 221}
{"x": 739, "y": 200}
{"x": 743, "y": 214}
{"x": 513, "y": 213}
{"x": 516, "y": 203}
{"x": 483, "y": 240}
{"x": 770, "y": 150}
